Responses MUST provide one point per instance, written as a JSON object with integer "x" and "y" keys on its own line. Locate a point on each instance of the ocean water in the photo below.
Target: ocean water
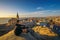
{"x": 4, "y": 20}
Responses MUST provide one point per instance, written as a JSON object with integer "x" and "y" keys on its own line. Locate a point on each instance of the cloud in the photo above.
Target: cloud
{"x": 38, "y": 8}
{"x": 53, "y": 5}
{"x": 34, "y": 14}
{"x": 42, "y": 13}
{"x": 39, "y": 13}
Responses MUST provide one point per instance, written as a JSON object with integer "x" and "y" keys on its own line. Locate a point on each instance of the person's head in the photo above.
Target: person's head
{"x": 19, "y": 22}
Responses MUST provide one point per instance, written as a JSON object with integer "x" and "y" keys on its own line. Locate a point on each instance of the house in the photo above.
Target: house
{"x": 43, "y": 23}
{"x": 56, "y": 29}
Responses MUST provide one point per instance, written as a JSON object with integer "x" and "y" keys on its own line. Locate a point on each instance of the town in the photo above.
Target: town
{"x": 45, "y": 26}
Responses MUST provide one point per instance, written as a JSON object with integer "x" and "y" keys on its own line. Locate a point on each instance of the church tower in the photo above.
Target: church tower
{"x": 17, "y": 16}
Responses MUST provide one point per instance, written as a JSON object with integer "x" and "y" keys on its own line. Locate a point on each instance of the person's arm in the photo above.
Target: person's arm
{"x": 15, "y": 27}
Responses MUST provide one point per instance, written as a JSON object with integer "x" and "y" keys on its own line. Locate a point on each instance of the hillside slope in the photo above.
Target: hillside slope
{"x": 11, "y": 36}
{"x": 44, "y": 31}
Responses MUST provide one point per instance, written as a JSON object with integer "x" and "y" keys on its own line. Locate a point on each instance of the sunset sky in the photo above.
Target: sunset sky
{"x": 29, "y": 8}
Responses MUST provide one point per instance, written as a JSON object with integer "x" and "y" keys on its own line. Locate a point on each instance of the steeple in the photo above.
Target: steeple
{"x": 17, "y": 16}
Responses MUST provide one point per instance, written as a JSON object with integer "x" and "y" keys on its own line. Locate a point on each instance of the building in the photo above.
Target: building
{"x": 17, "y": 16}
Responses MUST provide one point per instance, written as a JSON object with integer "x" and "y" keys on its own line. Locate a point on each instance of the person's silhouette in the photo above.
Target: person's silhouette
{"x": 19, "y": 28}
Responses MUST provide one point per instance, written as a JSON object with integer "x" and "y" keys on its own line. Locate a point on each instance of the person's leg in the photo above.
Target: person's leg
{"x": 17, "y": 32}
{"x": 28, "y": 36}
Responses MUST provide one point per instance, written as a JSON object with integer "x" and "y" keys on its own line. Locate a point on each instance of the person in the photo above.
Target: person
{"x": 19, "y": 28}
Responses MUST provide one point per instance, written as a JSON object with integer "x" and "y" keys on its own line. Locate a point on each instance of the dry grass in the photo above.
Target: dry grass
{"x": 11, "y": 36}
{"x": 44, "y": 31}
{"x": 39, "y": 29}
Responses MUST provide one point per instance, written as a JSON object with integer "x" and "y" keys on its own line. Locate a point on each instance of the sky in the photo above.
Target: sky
{"x": 29, "y": 8}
